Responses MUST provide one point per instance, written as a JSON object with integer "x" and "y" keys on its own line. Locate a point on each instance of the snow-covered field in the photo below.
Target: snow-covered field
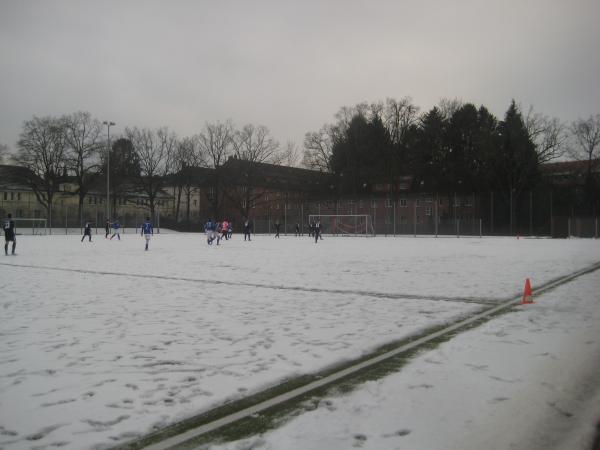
{"x": 103, "y": 342}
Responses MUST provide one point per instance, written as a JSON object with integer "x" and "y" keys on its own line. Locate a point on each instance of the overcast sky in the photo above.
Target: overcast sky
{"x": 290, "y": 65}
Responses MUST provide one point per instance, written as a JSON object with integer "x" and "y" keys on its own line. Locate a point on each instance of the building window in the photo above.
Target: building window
{"x": 276, "y": 205}
{"x": 417, "y": 202}
{"x": 266, "y": 197}
{"x": 419, "y": 219}
{"x": 12, "y": 195}
{"x": 388, "y": 202}
{"x": 18, "y": 196}
{"x": 403, "y": 203}
{"x": 195, "y": 202}
{"x": 428, "y": 211}
{"x": 6, "y": 196}
{"x": 374, "y": 203}
{"x": 403, "y": 220}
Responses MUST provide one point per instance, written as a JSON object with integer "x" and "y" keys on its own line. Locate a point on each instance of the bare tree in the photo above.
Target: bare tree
{"x": 155, "y": 153}
{"x": 41, "y": 149}
{"x": 216, "y": 144}
{"x": 3, "y": 153}
{"x": 398, "y": 116}
{"x": 318, "y": 148}
{"x": 548, "y": 134}
{"x": 586, "y": 134}
{"x": 288, "y": 156}
{"x": 448, "y": 106}
{"x": 186, "y": 158}
{"x": 253, "y": 146}
{"x": 84, "y": 142}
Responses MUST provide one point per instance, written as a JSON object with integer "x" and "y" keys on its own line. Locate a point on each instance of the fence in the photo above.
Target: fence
{"x": 542, "y": 213}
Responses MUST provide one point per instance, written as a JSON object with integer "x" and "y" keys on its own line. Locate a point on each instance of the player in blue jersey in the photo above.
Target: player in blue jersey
{"x": 209, "y": 230}
{"x": 10, "y": 234}
{"x": 147, "y": 231}
{"x": 116, "y": 230}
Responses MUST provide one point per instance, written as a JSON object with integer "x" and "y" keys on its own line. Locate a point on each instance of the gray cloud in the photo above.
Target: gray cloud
{"x": 290, "y": 65}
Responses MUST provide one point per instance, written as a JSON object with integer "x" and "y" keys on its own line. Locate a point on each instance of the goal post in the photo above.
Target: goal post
{"x": 29, "y": 226}
{"x": 344, "y": 224}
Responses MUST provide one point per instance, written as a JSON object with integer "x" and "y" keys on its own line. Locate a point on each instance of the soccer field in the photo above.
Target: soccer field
{"x": 103, "y": 342}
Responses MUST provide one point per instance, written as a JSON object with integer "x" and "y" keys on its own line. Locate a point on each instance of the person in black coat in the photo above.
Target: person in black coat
{"x": 87, "y": 231}
{"x": 247, "y": 229}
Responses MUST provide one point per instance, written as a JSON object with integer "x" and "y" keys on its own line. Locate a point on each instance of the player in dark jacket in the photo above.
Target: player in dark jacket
{"x": 10, "y": 234}
{"x": 247, "y": 229}
{"x": 87, "y": 231}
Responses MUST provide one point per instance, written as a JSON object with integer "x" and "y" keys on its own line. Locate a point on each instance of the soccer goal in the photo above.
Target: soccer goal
{"x": 30, "y": 226}
{"x": 345, "y": 224}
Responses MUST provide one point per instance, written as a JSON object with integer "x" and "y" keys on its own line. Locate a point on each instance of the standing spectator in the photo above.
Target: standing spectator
{"x": 147, "y": 231}
{"x": 247, "y": 229}
{"x": 230, "y": 230}
{"x": 87, "y": 231}
{"x": 10, "y": 234}
{"x": 107, "y": 229}
{"x": 297, "y": 230}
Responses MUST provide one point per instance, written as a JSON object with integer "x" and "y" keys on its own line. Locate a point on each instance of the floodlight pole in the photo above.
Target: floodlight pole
{"x": 108, "y": 125}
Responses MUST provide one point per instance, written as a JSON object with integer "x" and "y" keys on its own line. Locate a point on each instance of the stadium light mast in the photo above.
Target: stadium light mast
{"x": 108, "y": 125}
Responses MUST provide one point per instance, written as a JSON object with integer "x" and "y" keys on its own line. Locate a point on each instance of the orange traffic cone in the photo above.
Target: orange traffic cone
{"x": 527, "y": 295}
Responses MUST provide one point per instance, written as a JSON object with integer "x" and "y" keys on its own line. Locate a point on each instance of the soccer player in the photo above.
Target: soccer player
{"x": 224, "y": 231}
{"x": 147, "y": 231}
{"x": 317, "y": 230}
{"x": 116, "y": 230}
{"x": 209, "y": 231}
{"x": 87, "y": 231}
{"x": 277, "y": 225}
{"x": 230, "y": 230}
{"x": 10, "y": 234}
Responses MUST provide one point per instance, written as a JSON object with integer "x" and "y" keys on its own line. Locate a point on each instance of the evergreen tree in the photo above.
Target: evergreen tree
{"x": 516, "y": 163}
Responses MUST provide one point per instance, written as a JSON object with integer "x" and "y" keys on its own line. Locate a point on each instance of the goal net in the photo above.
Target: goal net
{"x": 344, "y": 225}
{"x": 29, "y": 226}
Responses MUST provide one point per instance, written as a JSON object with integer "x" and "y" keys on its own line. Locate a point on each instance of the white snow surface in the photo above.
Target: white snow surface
{"x": 103, "y": 342}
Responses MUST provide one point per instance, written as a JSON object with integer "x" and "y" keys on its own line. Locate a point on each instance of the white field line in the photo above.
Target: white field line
{"x": 487, "y": 301}
{"x": 212, "y": 426}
